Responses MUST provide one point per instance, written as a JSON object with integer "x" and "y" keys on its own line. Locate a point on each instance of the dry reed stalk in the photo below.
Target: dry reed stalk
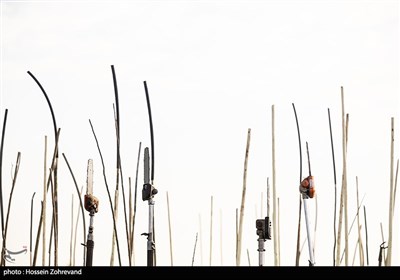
{"x": 14, "y": 180}
{"x": 72, "y": 231}
{"x": 366, "y": 235}
{"x": 239, "y": 241}
{"x": 170, "y": 232}
{"x": 76, "y": 231}
{"x": 130, "y": 215}
{"x": 335, "y": 185}
{"x": 343, "y": 196}
{"x": 279, "y": 232}
{"x": 44, "y": 202}
{"x": 54, "y": 170}
{"x": 395, "y": 185}
{"x": 351, "y": 227}
{"x": 194, "y": 250}
{"x": 119, "y": 167}
{"x": 383, "y": 241}
{"x": 108, "y": 193}
{"x": 298, "y": 250}
{"x": 2, "y": 262}
{"x": 339, "y": 234}
{"x": 134, "y": 206}
{"x": 389, "y": 249}
{"x": 53, "y": 217}
{"x": 30, "y": 231}
{"x": 37, "y": 237}
{"x": 53, "y": 164}
{"x": 360, "y": 243}
{"x": 355, "y": 251}
{"x": 274, "y": 222}
{"x": 81, "y": 207}
{"x": 115, "y": 213}
{"x": 345, "y": 207}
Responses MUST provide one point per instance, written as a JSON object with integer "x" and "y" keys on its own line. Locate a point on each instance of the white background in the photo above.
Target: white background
{"x": 214, "y": 69}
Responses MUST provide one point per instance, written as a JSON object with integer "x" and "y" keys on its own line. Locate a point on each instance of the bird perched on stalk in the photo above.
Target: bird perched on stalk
{"x": 307, "y": 186}
{"x": 91, "y": 203}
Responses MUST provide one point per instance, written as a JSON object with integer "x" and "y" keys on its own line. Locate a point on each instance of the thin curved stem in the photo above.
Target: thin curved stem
{"x": 334, "y": 180}
{"x": 48, "y": 102}
{"x": 1, "y": 172}
{"x": 119, "y": 168}
{"x": 151, "y": 130}
{"x": 81, "y": 205}
{"x": 135, "y": 199}
{"x": 30, "y": 231}
{"x": 11, "y": 195}
{"x": 54, "y": 170}
{"x": 298, "y": 251}
{"x": 108, "y": 191}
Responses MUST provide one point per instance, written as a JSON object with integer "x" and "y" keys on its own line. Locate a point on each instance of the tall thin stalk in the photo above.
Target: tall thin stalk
{"x": 54, "y": 170}
{"x": 130, "y": 215}
{"x": 383, "y": 241}
{"x": 53, "y": 217}
{"x": 14, "y": 180}
{"x": 30, "y": 231}
{"x": 339, "y": 229}
{"x": 51, "y": 234}
{"x": 239, "y": 240}
{"x": 390, "y": 245}
{"x": 44, "y": 202}
{"x": 395, "y": 185}
{"x": 81, "y": 206}
{"x": 298, "y": 250}
{"x": 119, "y": 169}
{"x": 151, "y": 130}
{"x": 53, "y": 164}
{"x": 248, "y": 257}
{"x": 38, "y": 237}
{"x": 343, "y": 196}
{"x": 366, "y": 234}
{"x": 2, "y": 262}
{"x": 194, "y": 249}
{"x": 315, "y": 223}
{"x": 135, "y": 202}
{"x": 279, "y": 231}
{"x": 170, "y": 232}
{"x": 115, "y": 213}
{"x": 334, "y": 182}
{"x": 152, "y": 256}
{"x": 76, "y": 231}
{"x": 274, "y": 222}
{"x": 345, "y": 128}
{"x": 355, "y": 250}
{"x": 360, "y": 243}
{"x": 351, "y": 227}
{"x": 108, "y": 192}
{"x": 72, "y": 231}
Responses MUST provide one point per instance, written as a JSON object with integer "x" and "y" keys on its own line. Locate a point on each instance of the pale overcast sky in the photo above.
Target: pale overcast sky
{"x": 213, "y": 69}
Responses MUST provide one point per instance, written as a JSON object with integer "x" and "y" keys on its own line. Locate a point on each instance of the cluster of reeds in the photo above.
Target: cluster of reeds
{"x": 341, "y": 229}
